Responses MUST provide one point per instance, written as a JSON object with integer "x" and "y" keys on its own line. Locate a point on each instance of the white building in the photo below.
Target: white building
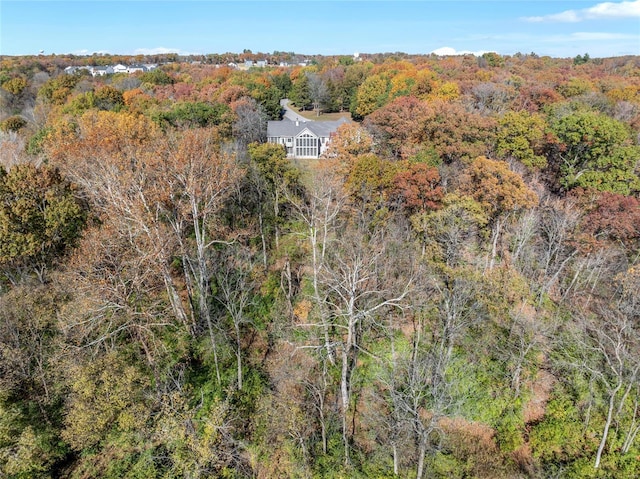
{"x": 303, "y": 139}
{"x": 120, "y": 68}
{"x": 101, "y": 71}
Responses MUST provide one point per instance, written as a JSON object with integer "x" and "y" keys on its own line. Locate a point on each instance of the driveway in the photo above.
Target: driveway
{"x": 289, "y": 113}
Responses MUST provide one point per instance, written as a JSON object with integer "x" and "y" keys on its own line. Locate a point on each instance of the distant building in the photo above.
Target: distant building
{"x": 120, "y": 68}
{"x": 108, "y": 70}
{"x": 71, "y": 70}
{"x": 136, "y": 68}
{"x": 101, "y": 71}
{"x": 302, "y": 139}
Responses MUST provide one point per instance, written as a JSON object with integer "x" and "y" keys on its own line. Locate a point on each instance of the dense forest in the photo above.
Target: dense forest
{"x": 451, "y": 292}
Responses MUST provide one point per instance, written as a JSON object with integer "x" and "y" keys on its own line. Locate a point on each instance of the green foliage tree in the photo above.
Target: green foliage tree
{"x": 157, "y": 77}
{"x": 282, "y": 81}
{"x": 493, "y": 59}
{"x": 40, "y": 219}
{"x": 104, "y": 98}
{"x": 269, "y": 99}
{"x": 30, "y": 383}
{"x": 371, "y": 95}
{"x": 197, "y": 114}
{"x": 13, "y": 123}
{"x": 521, "y": 135}
{"x": 596, "y": 152}
{"x": 107, "y": 396}
{"x": 371, "y": 179}
{"x": 57, "y": 89}
{"x": 276, "y": 178}
{"x": 15, "y": 85}
{"x": 581, "y": 59}
{"x": 300, "y": 93}
{"x": 108, "y": 98}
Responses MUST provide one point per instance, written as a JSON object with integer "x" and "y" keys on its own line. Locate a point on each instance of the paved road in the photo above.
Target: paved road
{"x": 289, "y": 113}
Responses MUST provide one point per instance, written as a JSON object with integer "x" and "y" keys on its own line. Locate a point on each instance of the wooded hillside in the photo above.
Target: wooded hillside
{"x": 452, "y": 292}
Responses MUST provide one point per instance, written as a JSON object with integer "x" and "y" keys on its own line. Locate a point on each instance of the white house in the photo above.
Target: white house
{"x": 107, "y": 70}
{"x": 137, "y": 68}
{"x": 302, "y": 139}
{"x": 101, "y": 71}
{"x": 120, "y": 68}
{"x": 71, "y": 69}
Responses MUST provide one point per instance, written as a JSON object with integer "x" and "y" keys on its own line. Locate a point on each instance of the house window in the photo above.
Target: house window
{"x": 306, "y": 145}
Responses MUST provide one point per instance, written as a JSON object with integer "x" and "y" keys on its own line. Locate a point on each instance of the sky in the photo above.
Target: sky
{"x": 555, "y": 28}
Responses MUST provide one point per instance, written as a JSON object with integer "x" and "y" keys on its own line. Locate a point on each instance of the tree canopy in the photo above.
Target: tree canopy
{"x": 451, "y": 291}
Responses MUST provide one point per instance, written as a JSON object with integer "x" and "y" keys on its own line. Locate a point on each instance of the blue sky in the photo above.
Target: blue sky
{"x": 547, "y": 27}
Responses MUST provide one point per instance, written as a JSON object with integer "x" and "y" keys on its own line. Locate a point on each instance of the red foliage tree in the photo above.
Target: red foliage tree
{"x": 396, "y": 124}
{"x": 418, "y": 188}
{"x": 615, "y": 217}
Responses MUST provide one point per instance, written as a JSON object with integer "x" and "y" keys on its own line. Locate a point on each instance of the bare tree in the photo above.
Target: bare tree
{"x": 163, "y": 201}
{"x": 608, "y": 349}
{"x": 421, "y": 393}
{"x": 491, "y": 98}
{"x": 318, "y": 91}
{"x": 558, "y": 220}
{"x": 355, "y": 296}
{"x": 251, "y": 122}
{"x": 235, "y": 292}
{"x": 198, "y": 178}
{"x": 319, "y": 211}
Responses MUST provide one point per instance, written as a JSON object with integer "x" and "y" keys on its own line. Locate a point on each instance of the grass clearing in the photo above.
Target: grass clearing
{"x": 311, "y": 115}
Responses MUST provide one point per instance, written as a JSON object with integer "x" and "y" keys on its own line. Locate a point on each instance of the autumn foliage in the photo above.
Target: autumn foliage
{"x": 450, "y": 291}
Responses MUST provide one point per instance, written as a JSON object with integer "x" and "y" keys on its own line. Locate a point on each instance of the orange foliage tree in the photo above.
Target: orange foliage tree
{"x": 396, "y": 125}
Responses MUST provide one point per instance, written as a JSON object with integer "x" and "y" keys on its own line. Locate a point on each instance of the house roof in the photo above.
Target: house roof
{"x": 288, "y": 128}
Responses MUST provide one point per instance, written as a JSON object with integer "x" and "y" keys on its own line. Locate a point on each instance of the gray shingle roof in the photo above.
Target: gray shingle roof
{"x": 288, "y": 128}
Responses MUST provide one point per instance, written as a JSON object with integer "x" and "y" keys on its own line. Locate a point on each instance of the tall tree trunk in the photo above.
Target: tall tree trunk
{"x": 174, "y": 298}
{"x": 421, "y": 457}
{"x": 344, "y": 396}
{"x": 607, "y": 424}
{"x": 262, "y": 237}
{"x": 238, "y": 354}
{"x": 313, "y": 237}
{"x": 494, "y": 243}
{"x": 395, "y": 459}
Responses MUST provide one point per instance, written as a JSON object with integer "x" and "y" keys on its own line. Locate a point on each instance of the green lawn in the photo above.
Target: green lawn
{"x": 311, "y": 115}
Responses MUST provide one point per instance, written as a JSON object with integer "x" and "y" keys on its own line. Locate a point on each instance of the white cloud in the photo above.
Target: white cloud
{"x": 614, "y": 10}
{"x": 160, "y": 51}
{"x": 84, "y": 51}
{"x": 570, "y": 16}
{"x": 603, "y": 10}
{"x": 448, "y": 51}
